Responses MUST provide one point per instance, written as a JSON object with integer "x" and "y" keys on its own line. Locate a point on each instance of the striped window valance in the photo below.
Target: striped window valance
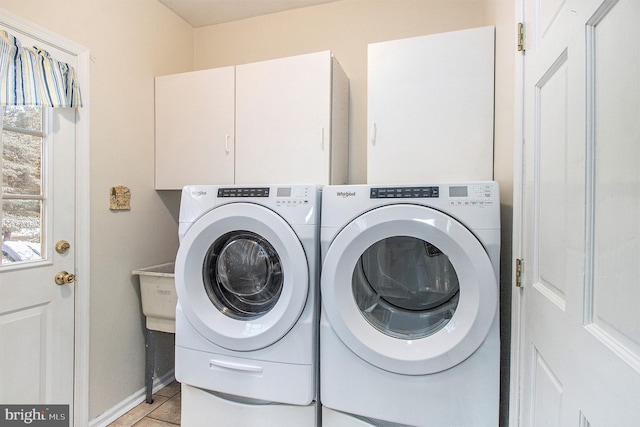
{"x": 30, "y": 76}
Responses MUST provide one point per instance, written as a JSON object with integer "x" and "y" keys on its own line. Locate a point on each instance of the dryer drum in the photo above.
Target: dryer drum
{"x": 405, "y": 287}
{"x": 242, "y": 275}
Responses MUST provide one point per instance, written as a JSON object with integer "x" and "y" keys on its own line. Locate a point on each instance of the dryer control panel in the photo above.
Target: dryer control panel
{"x": 480, "y": 194}
{"x": 405, "y": 192}
{"x": 471, "y": 195}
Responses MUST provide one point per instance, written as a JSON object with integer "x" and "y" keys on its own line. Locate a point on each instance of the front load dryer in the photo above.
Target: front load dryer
{"x": 247, "y": 273}
{"x": 409, "y": 330}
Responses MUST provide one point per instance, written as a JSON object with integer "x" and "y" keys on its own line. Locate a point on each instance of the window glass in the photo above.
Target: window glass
{"x": 405, "y": 287}
{"x": 23, "y": 117}
{"x": 21, "y": 163}
{"x": 22, "y": 143}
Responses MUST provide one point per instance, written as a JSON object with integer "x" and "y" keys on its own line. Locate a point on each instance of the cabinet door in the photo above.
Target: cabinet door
{"x": 195, "y": 128}
{"x": 283, "y": 119}
{"x": 430, "y": 108}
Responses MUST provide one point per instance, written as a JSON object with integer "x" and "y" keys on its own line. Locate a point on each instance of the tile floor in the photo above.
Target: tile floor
{"x": 163, "y": 412}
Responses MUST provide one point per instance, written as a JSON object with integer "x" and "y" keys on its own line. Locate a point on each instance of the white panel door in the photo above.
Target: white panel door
{"x": 195, "y": 128}
{"x": 36, "y": 313}
{"x": 430, "y": 108}
{"x": 283, "y": 120}
{"x": 577, "y": 320}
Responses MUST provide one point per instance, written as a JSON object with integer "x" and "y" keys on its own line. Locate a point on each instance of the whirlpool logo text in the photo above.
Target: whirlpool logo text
{"x": 345, "y": 194}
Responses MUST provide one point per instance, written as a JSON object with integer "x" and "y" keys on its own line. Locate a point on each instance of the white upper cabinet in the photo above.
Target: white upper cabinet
{"x": 284, "y": 112}
{"x": 276, "y": 121}
{"x": 430, "y": 108}
{"x": 195, "y": 128}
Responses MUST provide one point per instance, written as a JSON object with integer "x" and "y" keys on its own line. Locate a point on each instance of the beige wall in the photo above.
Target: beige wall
{"x": 501, "y": 13}
{"x": 130, "y": 43}
{"x": 133, "y": 41}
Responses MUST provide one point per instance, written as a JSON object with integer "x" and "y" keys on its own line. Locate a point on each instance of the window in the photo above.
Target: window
{"x": 24, "y": 184}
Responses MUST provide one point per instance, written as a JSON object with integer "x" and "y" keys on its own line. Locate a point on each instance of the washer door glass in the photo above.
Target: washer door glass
{"x": 242, "y": 275}
{"x": 405, "y": 287}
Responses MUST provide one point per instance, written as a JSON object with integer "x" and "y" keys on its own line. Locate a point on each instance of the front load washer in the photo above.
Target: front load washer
{"x": 409, "y": 329}
{"x": 247, "y": 273}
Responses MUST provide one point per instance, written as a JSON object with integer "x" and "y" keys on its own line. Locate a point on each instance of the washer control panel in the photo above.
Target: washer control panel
{"x": 292, "y": 196}
{"x": 282, "y": 196}
{"x": 244, "y": 192}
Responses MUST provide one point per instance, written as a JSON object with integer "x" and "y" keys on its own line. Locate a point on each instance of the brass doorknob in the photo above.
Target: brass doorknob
{"x": 62, "y": 246}
{"x": 64, "y": 278}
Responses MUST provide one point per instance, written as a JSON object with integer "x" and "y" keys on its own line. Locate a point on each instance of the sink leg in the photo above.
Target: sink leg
{"x": 149, "y": 364}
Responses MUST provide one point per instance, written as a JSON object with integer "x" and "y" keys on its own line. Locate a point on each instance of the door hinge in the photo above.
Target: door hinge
{"x": 519, "y": 271}
{"x": 521, "y": 37}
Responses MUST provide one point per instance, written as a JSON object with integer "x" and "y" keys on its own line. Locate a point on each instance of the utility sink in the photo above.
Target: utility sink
{"x": 159, "y": 298}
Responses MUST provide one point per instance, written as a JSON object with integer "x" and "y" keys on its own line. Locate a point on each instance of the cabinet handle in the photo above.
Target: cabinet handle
{"x": 226, "y": 144}
{"x": 322, "y": 138}
{"x": 374, "y": 131}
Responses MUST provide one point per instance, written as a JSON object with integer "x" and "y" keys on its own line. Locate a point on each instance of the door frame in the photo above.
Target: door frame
{"x": 19, "y": 25}
{"x": 517, "y": 295}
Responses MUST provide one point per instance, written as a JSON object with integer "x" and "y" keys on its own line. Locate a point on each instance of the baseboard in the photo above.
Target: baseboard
{"x": 112, "y": 414}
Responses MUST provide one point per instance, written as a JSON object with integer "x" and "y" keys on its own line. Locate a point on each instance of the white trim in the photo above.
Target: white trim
{"x": 80, "y": 54}
{"x": 83, "y": 253}
{"x": 130, "y": 402}
{"x": 517, "y": 298}
{"x": 25, "y": 27}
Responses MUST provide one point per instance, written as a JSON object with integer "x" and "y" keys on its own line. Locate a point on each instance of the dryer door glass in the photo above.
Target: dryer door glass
{"x": 242, "y": 275}
{"x": 405, "y": 287}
